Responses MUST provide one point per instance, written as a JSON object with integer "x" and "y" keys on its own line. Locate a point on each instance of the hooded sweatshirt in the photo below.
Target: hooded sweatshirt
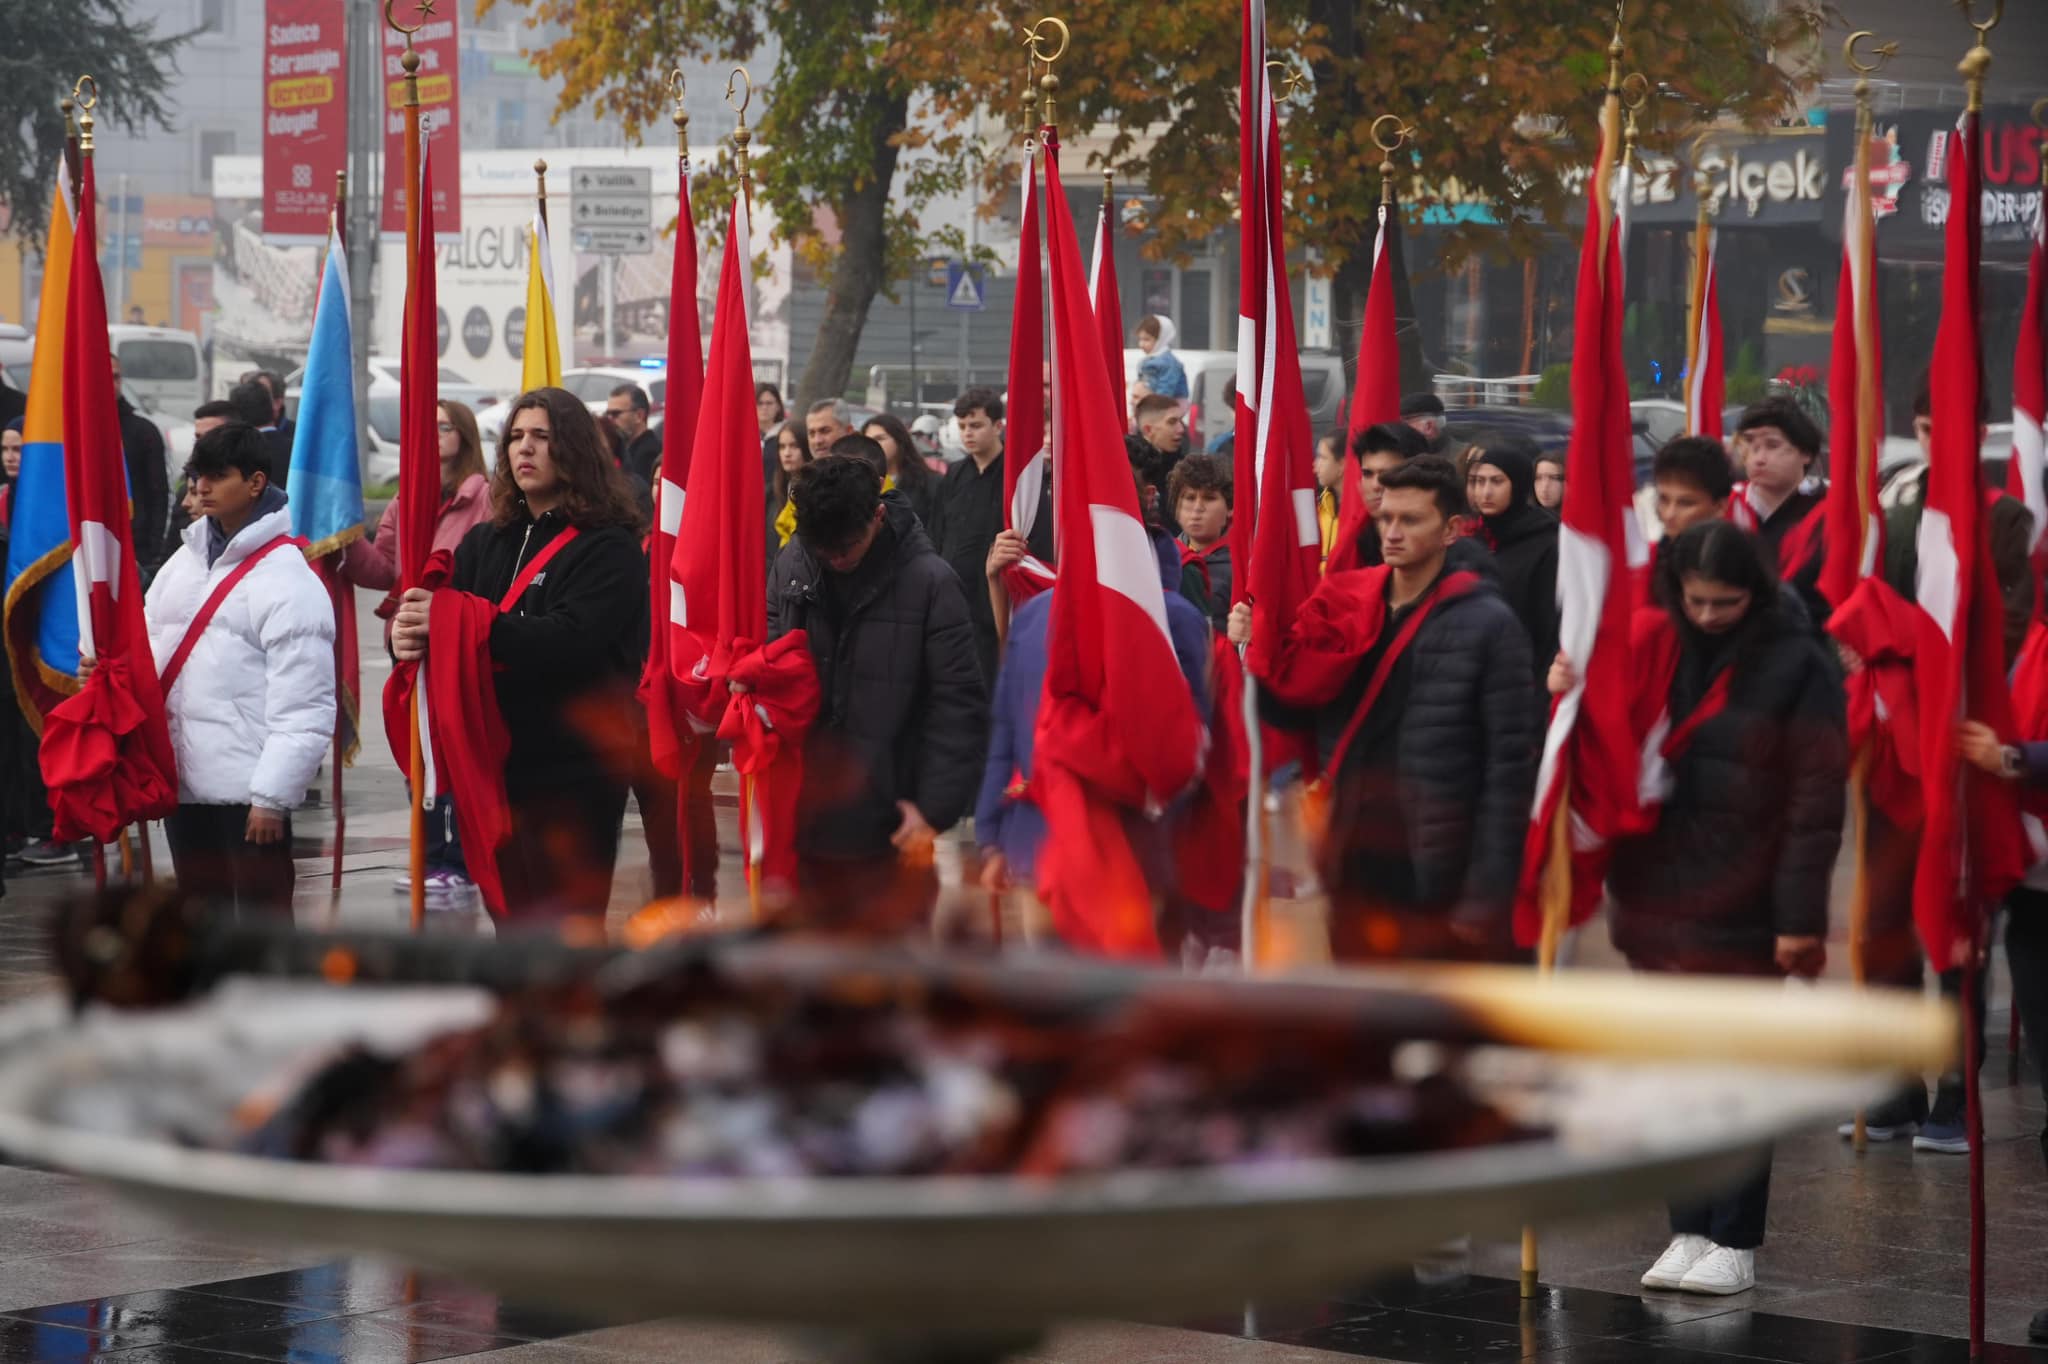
{"x": 1161, "y": 372}
{"x": 1524, "y": 543}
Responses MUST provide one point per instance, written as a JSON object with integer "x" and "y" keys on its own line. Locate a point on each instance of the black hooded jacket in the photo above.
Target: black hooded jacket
{"x": 904, "y": 712}
{"x": 1745, "y": 846}
{"x": 568, "y": 652}
{"x": 1524, "y": 543}
{"x": 149, "y": 485}
{"x": 1459, "y": 741}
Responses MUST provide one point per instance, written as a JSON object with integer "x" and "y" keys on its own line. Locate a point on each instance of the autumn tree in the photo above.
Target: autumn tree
{"x": 48, "y": 45}
{"x": 871, "y": 108}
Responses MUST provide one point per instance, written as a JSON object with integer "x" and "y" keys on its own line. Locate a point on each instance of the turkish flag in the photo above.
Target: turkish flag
{"x": 667, "y": 730}
{"x": 718, "y": 596}
{"x": 2025, "y": 476}
{"x": 1972, "y": 849}
{"x": 1706, "y": 386}
{"x": 106, "y": 752}
{"x": 1377, "y": 397}
{"x": 1853, "y": 530}
{"x": 1109, "y": 304}
{"x": 1275, "y": 541}
{"x": 1027, "y": 458}
{"x": 1117, "y": 734}
{"x": 1591, "y": 760}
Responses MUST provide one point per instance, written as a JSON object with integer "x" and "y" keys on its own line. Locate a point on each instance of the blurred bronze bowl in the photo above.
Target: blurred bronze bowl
{"x": 963, "y": 1254}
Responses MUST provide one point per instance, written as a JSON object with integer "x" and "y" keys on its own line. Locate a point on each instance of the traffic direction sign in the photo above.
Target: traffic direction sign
{"x": 614, "y": 241}
{"x": 611, "y": 197}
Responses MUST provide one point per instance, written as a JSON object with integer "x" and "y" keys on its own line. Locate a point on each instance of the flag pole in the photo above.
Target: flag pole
{"x": 1868, "y": 421}
{"x": 410, "y": 62}
{"x": 1555, "y": 887}
{"x": 1975, "y": 65}
{"x": 334, "y": 592}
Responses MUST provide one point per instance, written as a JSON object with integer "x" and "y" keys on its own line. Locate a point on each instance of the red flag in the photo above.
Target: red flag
{"x": 1588, "y": 775}
{"x": 1971, "y": 850}
{"x": 2026, "y": 478}
{"x": 1109, "y": 304}
{"x": 718, "y": 598}
{"x": 1705, "y": 386}
{"x": 1026, "y": 457}
{"x": 1377, "y": 396}
{"x": 666, "y": 726}
{"x": 1117, "y": 730}
{"x": 1854, "y": 529}
{"x": 106, "y": 752}
{"x": 1275, "y": 541}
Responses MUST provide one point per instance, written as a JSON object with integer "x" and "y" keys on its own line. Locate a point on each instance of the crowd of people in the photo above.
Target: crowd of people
{"x": 1411, "y": 690}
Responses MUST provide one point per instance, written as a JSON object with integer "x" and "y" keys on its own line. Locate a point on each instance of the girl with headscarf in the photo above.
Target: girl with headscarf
{"x": 1500, "y": 482}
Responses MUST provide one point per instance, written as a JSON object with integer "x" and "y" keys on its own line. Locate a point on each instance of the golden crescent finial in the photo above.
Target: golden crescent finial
{"x": 1402, "y": 132}
{"x": 426, "y": 12}
{"x": 739, "y": 73}
{"x": 1970, "y": 17}
{"x": 2040, "y": 112}
{"x": 80, "y": 89}
{"x": 675, "y": 85}
{"x": 1635, "y": 91}
{"x": 1034, "y": 39}
{"x": 1883, "y": 53}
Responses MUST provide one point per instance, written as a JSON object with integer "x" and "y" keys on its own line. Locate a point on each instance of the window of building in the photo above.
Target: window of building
{"x": 215, "y": 16}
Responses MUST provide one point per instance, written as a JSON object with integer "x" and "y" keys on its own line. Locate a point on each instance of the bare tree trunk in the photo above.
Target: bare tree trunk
{"x": 863, "y": 264}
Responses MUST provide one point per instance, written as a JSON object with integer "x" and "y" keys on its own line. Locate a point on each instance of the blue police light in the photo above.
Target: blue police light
{"x": 654, "y": 362}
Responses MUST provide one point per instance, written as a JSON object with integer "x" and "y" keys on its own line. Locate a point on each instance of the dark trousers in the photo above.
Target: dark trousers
{"x": 1735, "y": 1217}
{"x": 872, "y": 898}
{"x": 214, "y": 860}
{"x": 444, "y": 838}
{"x": 701, "y": 822}
{"x": 564, "y": 847}
{"x": 2026, "y": 955}
{"x": 656, "y": 797}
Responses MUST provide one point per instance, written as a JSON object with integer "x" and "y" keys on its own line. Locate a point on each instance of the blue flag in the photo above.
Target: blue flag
{"x": 326, "y": 474}
{"x": 41, "y": 607}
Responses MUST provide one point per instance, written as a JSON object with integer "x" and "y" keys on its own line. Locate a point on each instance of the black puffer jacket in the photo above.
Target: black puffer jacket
{"x": 1745, "y": 848}
{"x": 904, "y": 713}
{"x": 1465, "y": 758}
{"x": 568, "y": 652}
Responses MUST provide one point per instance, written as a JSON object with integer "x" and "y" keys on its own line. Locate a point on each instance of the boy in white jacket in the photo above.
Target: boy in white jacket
{"x": 250, "y": 694}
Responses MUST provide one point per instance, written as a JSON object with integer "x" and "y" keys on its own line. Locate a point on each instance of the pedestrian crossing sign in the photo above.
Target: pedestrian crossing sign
{"x": 963, "y": 287}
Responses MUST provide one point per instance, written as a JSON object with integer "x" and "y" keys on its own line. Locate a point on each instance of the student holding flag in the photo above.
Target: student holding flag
{"x": 541, "y": 623}
{"x": 1727, "y": 867}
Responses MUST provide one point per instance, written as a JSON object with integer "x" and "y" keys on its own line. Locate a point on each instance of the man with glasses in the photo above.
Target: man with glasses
{"x": 629, "y": 410}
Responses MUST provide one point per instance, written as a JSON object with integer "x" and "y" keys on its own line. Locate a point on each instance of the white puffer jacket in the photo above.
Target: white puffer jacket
{"x": 252, "y": 714}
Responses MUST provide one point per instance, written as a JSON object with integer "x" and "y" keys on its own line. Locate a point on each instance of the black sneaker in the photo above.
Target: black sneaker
{"x": 47, "y": 854}
{"x": 2037, "y": 1329}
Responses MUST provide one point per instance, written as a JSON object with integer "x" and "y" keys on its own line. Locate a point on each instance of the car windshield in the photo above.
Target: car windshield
{"x": 147, "y": 361}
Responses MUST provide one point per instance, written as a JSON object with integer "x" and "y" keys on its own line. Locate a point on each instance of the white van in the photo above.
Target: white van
{"x": 162, "y": 366}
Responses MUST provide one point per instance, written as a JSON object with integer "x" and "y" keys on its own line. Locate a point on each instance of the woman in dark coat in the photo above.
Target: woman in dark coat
{"x": 566, "y": 652}
{"x": 1732, "y": 876}
{"x": 1500, "y": 483}
{"x": 908, "y": 473}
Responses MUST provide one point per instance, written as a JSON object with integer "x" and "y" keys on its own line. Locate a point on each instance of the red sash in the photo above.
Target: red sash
{"x": 533, "y": 569}
{"x": 1456, "y": 585}
{"x": 190, "y": 639}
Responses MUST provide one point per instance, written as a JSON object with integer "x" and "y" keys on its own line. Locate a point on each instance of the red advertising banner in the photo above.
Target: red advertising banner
{"x": 305, "y": 115}
{"x": 440, "y": 118}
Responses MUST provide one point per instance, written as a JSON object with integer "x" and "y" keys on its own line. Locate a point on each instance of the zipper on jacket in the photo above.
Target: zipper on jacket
{"x": 520, "y": 558}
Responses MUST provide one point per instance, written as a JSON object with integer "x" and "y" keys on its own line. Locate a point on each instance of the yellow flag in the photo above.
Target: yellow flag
{"x": 541, "y": 366}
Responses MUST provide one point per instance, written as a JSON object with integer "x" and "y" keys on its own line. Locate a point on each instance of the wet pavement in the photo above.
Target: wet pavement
{"x": 1866, "y": 1258}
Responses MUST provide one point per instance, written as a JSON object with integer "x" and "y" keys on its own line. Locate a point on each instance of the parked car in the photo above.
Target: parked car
{"x": 1663, "y": 419}
{"x": 1550, "y": 429}
{"x": 1900, "y": 460}
{"x": 176, "y": 429}
{"x": 162, "y": 366}
{"x": 16, "y": 345}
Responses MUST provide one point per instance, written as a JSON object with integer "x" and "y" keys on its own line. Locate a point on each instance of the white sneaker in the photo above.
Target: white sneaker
{"x": 1680, "y": 1256}
{"x": 1720, "y": 1272}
